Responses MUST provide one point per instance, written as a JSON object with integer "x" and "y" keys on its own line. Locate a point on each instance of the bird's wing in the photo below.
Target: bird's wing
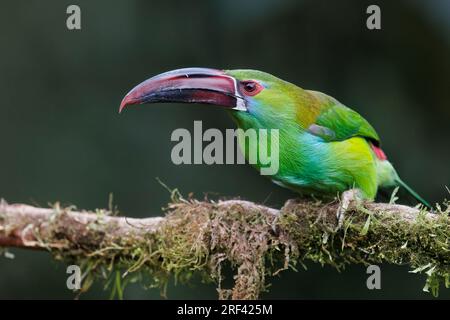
{"x": 338, "y": 122}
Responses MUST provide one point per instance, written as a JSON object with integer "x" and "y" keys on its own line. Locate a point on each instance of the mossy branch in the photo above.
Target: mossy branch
{"x": 201, "y": 237}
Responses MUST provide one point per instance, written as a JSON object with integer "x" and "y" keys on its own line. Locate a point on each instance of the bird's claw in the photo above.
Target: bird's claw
{"x": 347, "y": 198}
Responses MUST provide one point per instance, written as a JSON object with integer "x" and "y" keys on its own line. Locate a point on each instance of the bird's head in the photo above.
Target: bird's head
{"x": 250, "y": 94}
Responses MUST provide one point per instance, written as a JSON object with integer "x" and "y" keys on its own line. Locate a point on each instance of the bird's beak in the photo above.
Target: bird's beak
{"x": 190, "y": 85}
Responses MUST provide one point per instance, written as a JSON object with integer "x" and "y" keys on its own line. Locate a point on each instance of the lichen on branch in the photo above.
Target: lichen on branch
{"x": 201, "y": 238}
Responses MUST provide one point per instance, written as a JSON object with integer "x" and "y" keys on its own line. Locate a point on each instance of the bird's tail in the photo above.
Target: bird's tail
{"x": 413, "y": 193}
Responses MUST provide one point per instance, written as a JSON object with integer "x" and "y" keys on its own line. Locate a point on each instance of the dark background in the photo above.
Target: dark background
{"x": 62, "y": 139}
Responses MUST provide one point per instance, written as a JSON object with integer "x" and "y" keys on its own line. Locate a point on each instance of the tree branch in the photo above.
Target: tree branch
{"x": 199, "y": 238}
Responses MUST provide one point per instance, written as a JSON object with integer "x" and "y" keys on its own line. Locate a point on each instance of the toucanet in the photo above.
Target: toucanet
{"x": 325, "y": 148}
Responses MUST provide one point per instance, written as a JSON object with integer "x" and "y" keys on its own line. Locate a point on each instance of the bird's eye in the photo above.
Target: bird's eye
{"x": 251, "y": 88}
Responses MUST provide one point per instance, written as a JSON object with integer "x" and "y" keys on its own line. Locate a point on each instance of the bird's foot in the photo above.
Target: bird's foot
{"x": 349, "y": 196}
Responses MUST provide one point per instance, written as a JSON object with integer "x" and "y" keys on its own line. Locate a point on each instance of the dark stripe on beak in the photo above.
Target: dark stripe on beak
{"x": 190, "y": 85}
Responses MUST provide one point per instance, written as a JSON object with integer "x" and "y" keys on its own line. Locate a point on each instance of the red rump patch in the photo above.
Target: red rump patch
{"x": 379, "y": 153}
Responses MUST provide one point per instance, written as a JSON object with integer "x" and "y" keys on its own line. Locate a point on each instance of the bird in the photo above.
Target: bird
{"x": 325, "y": 147}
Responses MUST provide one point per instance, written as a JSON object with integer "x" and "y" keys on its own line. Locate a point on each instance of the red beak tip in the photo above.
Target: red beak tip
{"x": 125, "y": 102}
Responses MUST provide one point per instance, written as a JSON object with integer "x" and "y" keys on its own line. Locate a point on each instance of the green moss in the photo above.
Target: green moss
{"x": 423, "y": 244}
{"x": 198, "y": 238}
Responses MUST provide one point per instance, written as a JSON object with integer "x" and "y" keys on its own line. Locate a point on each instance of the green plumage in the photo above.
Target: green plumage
{"x": 325, "y": 147}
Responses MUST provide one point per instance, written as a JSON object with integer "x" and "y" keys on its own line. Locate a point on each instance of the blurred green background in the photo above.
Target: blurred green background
{"x": 62, "y": 138}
